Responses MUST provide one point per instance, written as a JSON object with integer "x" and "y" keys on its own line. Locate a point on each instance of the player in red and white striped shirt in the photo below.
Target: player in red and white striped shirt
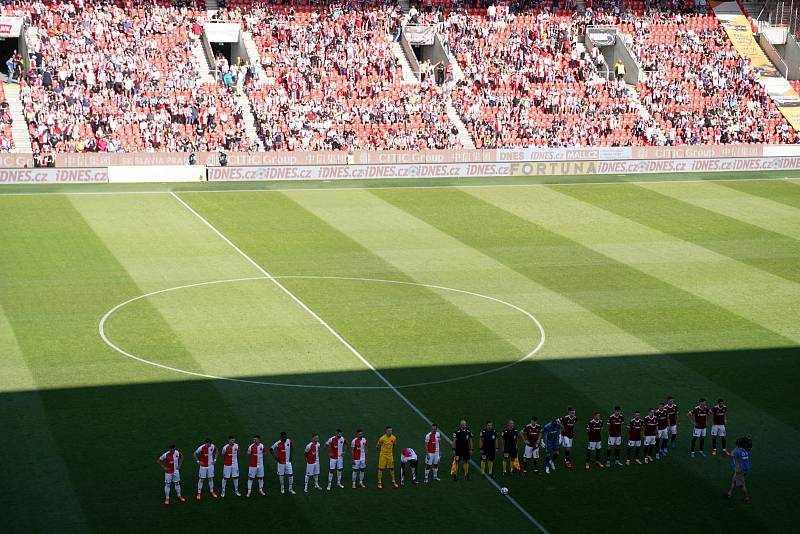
{"x": 359, "y": 453}
{"x": 281, "y": 450}
{"x": 255, "y": 453}
{"x": 171, "y": 462}
{"x": 312, "y": 462}
{"x": 337, "y": 445}
{"x": 230, "y": 465}
{"x": 433, "y": 452}
{"x": 206, "y": 456}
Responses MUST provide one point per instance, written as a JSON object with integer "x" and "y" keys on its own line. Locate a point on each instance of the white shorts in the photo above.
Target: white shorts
{"x": 432, "y": 458}
{"x": 255, "y": 472}
{"x": 649, "y": 440}
{"x": 531, "y": 452}
{"x": 359, "y": 464}
{"x": 172, "y": 477}
{"x": 718, "y": 430}
{"x": 312, "y": 469}
{"x": 699, "y": 432}
{"x": 615, "y": 441}
{"x": 207, "y": 472}
{"x": 663, "y": 433}
{"x": 229, "y": 471}
{"x": 285, "y": 469}
{"x": 566, "y": 442}
{"x": 595, "y": 446}
{"x": 336, "y": 463}
{"x": 637, "y": 443}
{"x": 673, "y": 429}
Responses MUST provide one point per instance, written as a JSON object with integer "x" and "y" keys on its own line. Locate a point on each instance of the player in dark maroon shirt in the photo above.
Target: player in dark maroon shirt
{"x": 672, "y": 414}
{"x": 699, "y": 418}
{"x": 662, "y": 419}
{"x": 650, "y": 431}
{"x": 615, "y": 421}
{"x": 593, "y": 429}
{"x": 719, "y": 418}
{"x": 568, "y": 434}
{"x": 635, "y": 427}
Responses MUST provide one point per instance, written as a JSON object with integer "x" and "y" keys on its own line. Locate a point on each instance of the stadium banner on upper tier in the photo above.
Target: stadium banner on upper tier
{"x": 105, "y": 159}
{"x": 697, "y": 151}
{"x": 10, "y": 27}
{"x": 13, "y": 160}
{"x": 156, "y": 174}
{"x": 698, "y": 165}
{"x": 53, "y": 176}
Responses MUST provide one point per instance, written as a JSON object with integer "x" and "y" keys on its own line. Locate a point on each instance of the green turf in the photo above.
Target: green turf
{"x": 643, "y": 290}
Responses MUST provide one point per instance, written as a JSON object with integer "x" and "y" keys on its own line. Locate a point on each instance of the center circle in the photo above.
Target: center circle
{"x": 276, "y": 280}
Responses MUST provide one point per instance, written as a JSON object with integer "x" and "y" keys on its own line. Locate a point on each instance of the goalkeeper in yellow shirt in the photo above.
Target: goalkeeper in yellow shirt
{"x": 386, "y": 444}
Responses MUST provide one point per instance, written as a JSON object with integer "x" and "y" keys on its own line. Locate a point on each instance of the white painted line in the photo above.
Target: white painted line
{"x": 398, "y": 186}
{"x": 352, "y": 349}
{"x": 115, "y": 309}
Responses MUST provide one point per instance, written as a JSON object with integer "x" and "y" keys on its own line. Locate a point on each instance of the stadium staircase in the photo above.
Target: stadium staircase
{"x": 212, "y": 6}
{"x": 637, "y": 101}
{"x": 405, "y": 66}
{"x": 19, "y": 128}
{"x": 206, "y": 71}
{"x": 580, "y": 5}
{"x": 249, "y": 119}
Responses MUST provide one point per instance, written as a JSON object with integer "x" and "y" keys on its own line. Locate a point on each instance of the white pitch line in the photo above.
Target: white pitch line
{"x": 398, "y": 186}
{"x": 352, "y": 349}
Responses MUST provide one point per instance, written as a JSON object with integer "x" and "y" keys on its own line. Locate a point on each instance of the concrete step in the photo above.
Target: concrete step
{"x": 405, "y": 66}
{"x": 249, "y": 120}
{"x": 206, "y": 70}
{"x": 19, "y": 128}
{"x": 463, "y": 134}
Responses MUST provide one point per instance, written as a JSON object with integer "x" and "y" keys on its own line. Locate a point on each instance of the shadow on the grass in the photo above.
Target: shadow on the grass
{"x": 106, "y": 440}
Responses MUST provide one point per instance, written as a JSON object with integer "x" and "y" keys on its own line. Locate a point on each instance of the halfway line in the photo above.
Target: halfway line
{"x": 349, "y": 347}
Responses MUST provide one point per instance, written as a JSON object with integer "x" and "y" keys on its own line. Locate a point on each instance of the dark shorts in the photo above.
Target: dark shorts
{"x": 510, "y": 453}
{"x": 463, "y": 454}
{"x": 488, "y": 454}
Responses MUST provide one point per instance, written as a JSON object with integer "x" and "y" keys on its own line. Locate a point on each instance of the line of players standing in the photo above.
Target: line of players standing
{"x": 649, "y": 438}
{"x": 656, "y": 433}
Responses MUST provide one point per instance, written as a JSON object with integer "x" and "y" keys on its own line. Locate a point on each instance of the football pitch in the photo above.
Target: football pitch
{"x": 132, "y": 319}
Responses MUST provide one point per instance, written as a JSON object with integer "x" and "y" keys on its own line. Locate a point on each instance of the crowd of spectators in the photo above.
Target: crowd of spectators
{"x": 108, "y": 78}
{"x": 332, "y": 81}
{"x": 121, "y": 77}
{"x": 697, "y": 87}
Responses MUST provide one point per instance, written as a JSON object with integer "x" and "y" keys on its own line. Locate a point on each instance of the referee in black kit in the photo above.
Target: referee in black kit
{"x": 462, "y": 447}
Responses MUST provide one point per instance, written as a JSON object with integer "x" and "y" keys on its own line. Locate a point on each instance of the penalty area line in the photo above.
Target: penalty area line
{"x": 348, "y": 346}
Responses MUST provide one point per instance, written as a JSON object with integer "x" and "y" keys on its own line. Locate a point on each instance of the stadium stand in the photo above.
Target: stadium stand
{"x": 122, "y": 77}
{"x": 114, "y": 79}
{"x": 333, "y": 83}
{"x": 697, "y": 87}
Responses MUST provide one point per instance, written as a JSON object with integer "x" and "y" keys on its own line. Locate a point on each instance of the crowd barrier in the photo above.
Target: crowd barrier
{"x": 607, "y": 162}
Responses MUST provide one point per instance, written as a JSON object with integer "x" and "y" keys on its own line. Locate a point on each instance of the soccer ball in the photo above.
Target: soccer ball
{"x": 503, "y": 491}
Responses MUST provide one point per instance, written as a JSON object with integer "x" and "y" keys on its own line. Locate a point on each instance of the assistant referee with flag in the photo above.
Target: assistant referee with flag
{"x": 462, "y": 449}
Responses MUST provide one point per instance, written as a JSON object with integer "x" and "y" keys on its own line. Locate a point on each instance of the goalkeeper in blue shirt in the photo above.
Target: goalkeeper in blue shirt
{"x": 740, "y": 460}
{"x": 552, "y": 441}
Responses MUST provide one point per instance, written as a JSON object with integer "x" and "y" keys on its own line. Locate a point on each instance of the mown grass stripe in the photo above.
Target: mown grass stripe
{"x": 783, "y": 191}
{"x": 741, "y": 289}
{"x": 774, "y": 253}
{"x": 750, "y": 209}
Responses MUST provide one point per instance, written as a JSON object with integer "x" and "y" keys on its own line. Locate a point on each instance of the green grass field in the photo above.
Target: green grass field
{"x": 642, "y": 290}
